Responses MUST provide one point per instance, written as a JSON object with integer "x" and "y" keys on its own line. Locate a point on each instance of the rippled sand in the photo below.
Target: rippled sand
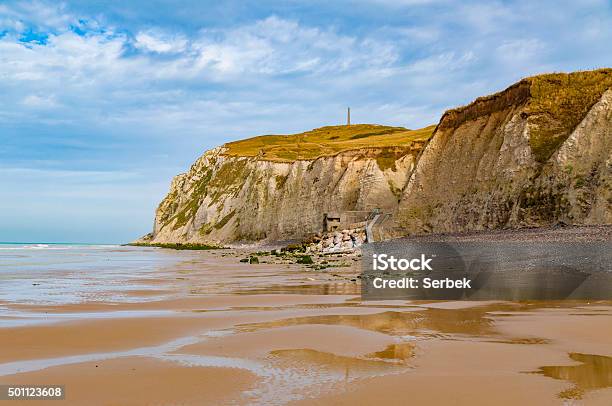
{"x": 203, "y": 328}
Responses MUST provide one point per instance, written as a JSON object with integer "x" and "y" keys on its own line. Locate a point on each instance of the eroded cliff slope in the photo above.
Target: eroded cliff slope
{"x": 536, "y": 154}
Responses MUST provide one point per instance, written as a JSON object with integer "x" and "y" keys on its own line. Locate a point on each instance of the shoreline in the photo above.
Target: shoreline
{"x": 175, "y": 246}
{"x": 595, "y": 232}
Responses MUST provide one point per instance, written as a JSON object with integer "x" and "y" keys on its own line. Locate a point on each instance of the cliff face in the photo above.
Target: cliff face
{"x": 226, "y": 198}
{"x": 537, "y": 154}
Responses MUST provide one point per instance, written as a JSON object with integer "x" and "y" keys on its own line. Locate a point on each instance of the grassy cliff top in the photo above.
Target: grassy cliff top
{"x": 325, "y": 141}
{"x": 554, "y": 102}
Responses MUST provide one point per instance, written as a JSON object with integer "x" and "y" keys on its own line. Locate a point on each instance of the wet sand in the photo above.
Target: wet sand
{"x": 141, "y": 381}
{"x": 216, "y": 331}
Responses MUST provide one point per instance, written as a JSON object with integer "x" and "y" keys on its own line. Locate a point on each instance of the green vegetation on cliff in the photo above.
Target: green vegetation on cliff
{"x": 325, "y": 141}
{"x": 176, "y": 246}
{"x": 558, "y": 102}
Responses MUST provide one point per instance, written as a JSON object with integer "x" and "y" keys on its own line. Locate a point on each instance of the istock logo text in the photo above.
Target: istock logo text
{"x": 384, "y": 262}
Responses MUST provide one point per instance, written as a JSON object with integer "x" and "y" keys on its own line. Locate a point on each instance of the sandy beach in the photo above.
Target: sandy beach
{"x": 207, "y": 329}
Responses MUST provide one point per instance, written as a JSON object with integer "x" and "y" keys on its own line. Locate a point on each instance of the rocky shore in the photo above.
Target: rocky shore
{"x": 345, "y": 241}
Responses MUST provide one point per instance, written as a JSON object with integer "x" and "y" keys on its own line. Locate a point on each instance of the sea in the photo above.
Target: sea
{"x": 37, "y": 273}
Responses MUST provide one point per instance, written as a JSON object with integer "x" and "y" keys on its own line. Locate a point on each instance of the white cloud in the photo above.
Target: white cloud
{"x": 96, "y": 78}
{"x": 520, "y": 51}
{"x": 97, "y": 62}
{"x": 161, "y": 43}
{"x": 278, "y": 46}
{"x": 272, "y": 46}
{"x": 39, "y": 101}
{"x": 441, "y": 63}
{"x": 42, "y": 14}
{"x": 486, "y": 17}
{"x": 104, "y": 74}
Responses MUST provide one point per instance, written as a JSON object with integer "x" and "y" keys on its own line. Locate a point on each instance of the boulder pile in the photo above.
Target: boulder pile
{"x": 337, "y": 241}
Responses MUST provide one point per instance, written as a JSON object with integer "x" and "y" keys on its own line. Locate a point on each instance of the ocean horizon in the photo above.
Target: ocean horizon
{"x": 43, "y": 243}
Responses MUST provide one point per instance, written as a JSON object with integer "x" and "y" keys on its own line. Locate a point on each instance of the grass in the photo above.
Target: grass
{"x": 305, "y": 260}
{"x": 386, "y": 159}
{"x": 558, "y": 102}
{"x": 325, "y": 141}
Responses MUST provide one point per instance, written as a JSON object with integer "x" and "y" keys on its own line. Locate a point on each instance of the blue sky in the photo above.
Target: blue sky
{"x": 101, "y": 104}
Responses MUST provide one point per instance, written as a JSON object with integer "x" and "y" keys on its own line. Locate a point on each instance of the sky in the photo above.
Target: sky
{"x": 102, "y": 103}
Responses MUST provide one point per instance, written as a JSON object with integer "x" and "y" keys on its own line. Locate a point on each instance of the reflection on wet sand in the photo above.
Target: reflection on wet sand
{"x": 593, "y": 372}
{"x": 522, "y": 340}
{"x": 400, "y": 352}
{"x": 418, "y": 321}
{"x": 349, "y": 367}
{"x": 288, "y": 307}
